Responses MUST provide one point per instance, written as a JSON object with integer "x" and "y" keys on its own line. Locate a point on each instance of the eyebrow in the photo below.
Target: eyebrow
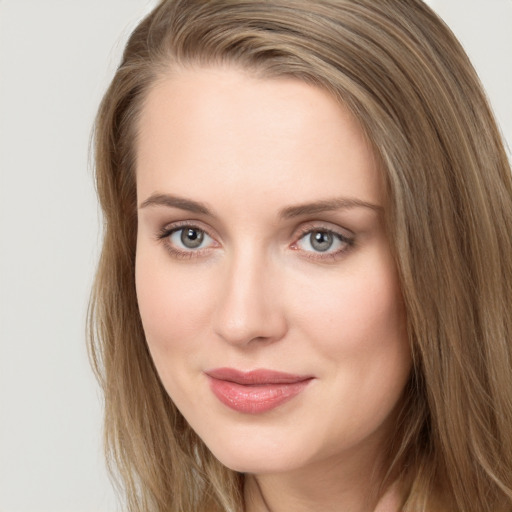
{"x": 341, "y": 203}
{"x": 175, "y": 202}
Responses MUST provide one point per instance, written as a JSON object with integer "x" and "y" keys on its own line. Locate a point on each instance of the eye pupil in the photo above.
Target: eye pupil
{"x": 321, "y": 240}
{"x": 192, "y": 238}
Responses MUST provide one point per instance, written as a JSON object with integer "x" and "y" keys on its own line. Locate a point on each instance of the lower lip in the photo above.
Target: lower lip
{"x": 255, "y": 398}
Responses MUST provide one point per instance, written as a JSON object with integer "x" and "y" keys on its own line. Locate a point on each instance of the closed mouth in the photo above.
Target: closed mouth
{"x": 255, "y": 391}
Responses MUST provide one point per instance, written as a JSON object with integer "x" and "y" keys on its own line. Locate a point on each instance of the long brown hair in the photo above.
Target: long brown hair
{"x": 403, "y": 74}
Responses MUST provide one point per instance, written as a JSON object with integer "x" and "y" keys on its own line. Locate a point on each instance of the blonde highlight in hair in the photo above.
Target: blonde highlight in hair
{"x": 405, "y": 77}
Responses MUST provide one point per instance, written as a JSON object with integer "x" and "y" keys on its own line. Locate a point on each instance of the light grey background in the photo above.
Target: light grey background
{"x": 56, "y": 58}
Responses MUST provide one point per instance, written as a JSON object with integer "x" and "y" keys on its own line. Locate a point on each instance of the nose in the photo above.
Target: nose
{"x": 249, "y": 307}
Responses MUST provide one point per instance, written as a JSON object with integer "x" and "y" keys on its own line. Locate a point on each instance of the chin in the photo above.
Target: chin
{"x": 258, "y": 466}
{"x": 246, "y": 456}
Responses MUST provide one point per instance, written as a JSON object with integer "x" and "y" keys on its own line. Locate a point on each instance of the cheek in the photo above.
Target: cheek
{"x": 174, "y": 304}
{"x": 357, "y": 323}
{"x": 358, "y": 329}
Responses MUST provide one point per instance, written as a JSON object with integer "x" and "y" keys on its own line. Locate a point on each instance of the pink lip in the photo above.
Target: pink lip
{"x": 256, "y": 391}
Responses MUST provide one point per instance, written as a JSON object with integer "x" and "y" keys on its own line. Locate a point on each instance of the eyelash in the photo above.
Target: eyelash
{"x": 348, "y": 242}
{"x": 165, "y": 233}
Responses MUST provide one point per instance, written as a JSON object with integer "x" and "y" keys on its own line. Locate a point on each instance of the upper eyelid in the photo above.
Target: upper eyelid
{"x": 184, "y": 223}
{"x": 324, "y": 226}
{"x": 171, "y": 227}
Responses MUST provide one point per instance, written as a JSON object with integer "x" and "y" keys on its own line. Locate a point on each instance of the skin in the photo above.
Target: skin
{"x": 258, "y": 294}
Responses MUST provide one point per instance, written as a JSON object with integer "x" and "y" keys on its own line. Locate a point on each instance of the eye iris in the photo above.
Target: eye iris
{"x": 321, "y": 240}
{"x": 192, "y": 238}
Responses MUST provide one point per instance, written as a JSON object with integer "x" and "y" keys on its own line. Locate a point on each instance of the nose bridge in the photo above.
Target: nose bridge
{"x": 248, "y": 306}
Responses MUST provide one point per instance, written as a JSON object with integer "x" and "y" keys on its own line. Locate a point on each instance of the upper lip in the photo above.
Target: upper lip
{"x": 255, "y": 377}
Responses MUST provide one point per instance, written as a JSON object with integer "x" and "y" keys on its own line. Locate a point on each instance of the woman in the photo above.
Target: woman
{"x": 302, "y": 299}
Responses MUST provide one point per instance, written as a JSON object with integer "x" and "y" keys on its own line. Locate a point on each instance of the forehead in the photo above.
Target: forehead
{"x": 206, "y": 124}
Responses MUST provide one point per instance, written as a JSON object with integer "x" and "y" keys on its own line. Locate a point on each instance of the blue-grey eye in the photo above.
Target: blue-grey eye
{"x": 192, "y": 238}
{"x": 321, "y": 240}
{"x": 189, "y": 238}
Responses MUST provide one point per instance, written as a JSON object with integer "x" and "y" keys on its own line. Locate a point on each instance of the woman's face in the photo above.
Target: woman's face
{"x": 267, "y": 290}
